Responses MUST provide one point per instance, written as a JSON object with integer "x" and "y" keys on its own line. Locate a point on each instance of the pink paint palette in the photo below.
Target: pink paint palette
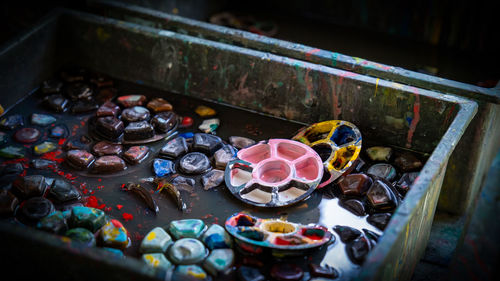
{"x": 274, "y": 173}
{"x": 255, "y": 235}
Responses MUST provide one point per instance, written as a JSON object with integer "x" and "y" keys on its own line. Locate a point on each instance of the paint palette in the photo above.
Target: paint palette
{"x": 274, "y": 173}
{"x": 337, "y": 142}
{"x": 254, "y": 235}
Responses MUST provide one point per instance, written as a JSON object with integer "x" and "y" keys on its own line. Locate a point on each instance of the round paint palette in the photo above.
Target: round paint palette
{"x": 274, "y": 173}
{"x": 254, "y": 235}
{"x": 337, "y": 142}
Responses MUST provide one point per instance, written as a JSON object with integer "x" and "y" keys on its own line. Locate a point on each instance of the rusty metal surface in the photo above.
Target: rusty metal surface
{"x": 386, "y": 112}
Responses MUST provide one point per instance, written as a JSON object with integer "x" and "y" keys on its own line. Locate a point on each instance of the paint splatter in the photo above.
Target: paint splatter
{"x": 414, "y": 121}
{"x": 127, "y": 216}
{"x": 93, "y": 202}
{"x": 311, "y": 52}
{"x": 335, "y": 99}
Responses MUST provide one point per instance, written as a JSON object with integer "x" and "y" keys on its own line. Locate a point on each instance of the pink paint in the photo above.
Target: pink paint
{"x": 335, "y": 98}
{"x": 310, "y": 52}
{"x": 414, "y": 121}
{"x": 309, "y": 88}
{"x": 275, "y": 162}
{"x": 242, "y": 90}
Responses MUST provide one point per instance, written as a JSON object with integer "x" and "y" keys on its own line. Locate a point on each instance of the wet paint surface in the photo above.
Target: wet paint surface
{"x": 105, "y": 192}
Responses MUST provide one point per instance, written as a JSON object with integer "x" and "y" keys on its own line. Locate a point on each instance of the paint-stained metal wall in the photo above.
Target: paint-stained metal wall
{"x": 468, "y": 165}
{"x": 384, "y": 111}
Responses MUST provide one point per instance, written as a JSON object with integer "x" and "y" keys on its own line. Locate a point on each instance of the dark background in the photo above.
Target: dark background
{"x": 451, "y": 39}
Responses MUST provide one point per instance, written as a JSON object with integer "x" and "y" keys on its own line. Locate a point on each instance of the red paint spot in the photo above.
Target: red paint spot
{"x": 23, "y": 162}
{"x": 414, "y": 121}
{"x": 119, "y": 207}
{"x": 61, "y": 141}
{"x": 127, "y": 216}
{"x": 313, "y": 233}
{"x": 93, "y": 202}
{"x": 54, "y": 156}
{"x": 310, "y": 52}
{"x": 99, "y": 180}
{"x": 187, "y": 121}
{"x": 116, "y": 223}
{"x": 215, "y": 67}
{"x": 280, "y": 241}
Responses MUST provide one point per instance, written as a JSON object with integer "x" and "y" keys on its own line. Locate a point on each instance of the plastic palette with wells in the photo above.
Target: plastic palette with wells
{"x": 255, "y": 235}
{"x": 337, "y": 142}
{"x": 274, "y": 173}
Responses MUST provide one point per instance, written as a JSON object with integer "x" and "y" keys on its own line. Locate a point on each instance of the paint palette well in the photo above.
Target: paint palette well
{"x": 274, "y": 173}
{"x": 255, "y": 234}
{"x": 337, "y": 142}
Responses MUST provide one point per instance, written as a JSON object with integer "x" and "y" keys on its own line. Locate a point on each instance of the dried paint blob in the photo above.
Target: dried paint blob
{"x": 131, "y": 100}
{"x": 108, "y": 109}
{"x": 44, "y": 147}
{"x": 58, "y": 132}
{"x": 11, "y": 122}
{"x": 42, "y": 119}
{"x": 138, "y": 131}
{"x": 159, "y": 105}
{"x": 135, "y": 113}
{"x": 107, "y": 148}
{"x": 194, "y": 163}
{"x": 186, "y": 122}
{"x": 108, "y": 164}
{"x": 12, "y": 152}
{"x": 136, "y": 154}
{"x": 27, "y": 135}
{"x": 79, "y": 159}
{"x": 209, "y": 125}
{"x": 205, "y": 111}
